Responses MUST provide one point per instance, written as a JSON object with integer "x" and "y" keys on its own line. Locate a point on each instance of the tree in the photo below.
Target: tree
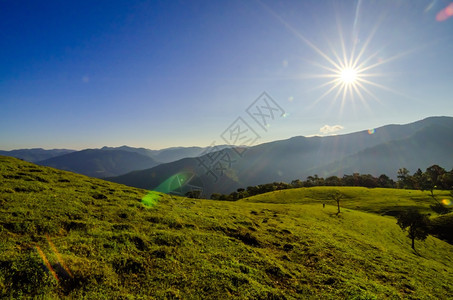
{"x": 418, "y": 179}
{"x": 385, "y": 182}
{"x": 333, "y": 181}
{"x": 368, "y": 180}
{"x": 337, "y": 196}
{"x": 297, "y": 183}
{"x": 215, "y": 196}
{"x": 435, "y": 174}
{"x": 440, "y": 209}
{"x": 311, "y": 181}
{"x": 252, "y": 190}
{"x": 242, "y": 193}
{"x": 417, "y": 225}
{"x": 348, "y": 180}
{"x": 404, "y": 179}
{"x": 427, "y": 184}
{"x": 234, "y": 196}
{"x": 447, "y": 180}
{"x": 196, "y": 194}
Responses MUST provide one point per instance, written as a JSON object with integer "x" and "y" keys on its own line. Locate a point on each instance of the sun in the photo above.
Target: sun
{"x": 348, "y": 75}
{"x": 350, "y": 69}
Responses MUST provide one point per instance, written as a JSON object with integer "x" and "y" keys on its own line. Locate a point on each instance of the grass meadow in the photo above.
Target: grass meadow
{"x": 65, "y": 235}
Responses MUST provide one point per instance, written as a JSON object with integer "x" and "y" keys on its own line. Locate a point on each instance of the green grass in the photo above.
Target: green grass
{"x": 104, "y": 243}
{"x": 376, "y": 200}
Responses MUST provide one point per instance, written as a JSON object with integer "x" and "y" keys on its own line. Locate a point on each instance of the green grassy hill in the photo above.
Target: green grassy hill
{"x": 376, "y": 200}
{"x": 68, "y": 235}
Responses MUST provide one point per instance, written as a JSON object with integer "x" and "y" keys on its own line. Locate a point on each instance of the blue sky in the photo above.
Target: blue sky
{"x": 156, "y": 74}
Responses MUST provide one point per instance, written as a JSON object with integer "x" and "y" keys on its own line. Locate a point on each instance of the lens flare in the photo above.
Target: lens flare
{"x": 58, "y": 255}
{"x": 446, "y": 202}
{"x": 371, "y": 131}
{"x": 151, "y": 198}
{"x": 445, "y": 13}
{"x": 177, "y": 184}
{"x": 47, "y": 263}
{"x": 59, "y": 269}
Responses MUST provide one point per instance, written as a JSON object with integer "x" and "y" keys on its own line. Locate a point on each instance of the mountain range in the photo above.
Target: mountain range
{"x": 107, "y": 161}
{"x": 383, "y": 150}
{"x": 100, "y": 163}
{"x": 379, "y": 151}
{"x": 35, "y": 154}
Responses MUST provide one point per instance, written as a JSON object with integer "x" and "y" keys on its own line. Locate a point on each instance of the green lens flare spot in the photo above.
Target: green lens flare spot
{"x": 151, "y": 199}
{"x": 176, "y": 184}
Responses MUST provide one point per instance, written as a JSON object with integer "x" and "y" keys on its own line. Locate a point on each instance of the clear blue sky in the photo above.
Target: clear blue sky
{"x": 155, "y": 74}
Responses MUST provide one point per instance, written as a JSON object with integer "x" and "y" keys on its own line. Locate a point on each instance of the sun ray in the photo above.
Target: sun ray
{"x": 299, "y": 35}
{"x": 343, "y": 46}
{"x": 392, "y": 58}
{"x": 332, "y": 88}
{"x": 367, "y": 42}
{"x": 366, "y": 90}
{"x": 366, "y": 60}
{"x": 347, "y": 69}
{"x": 337, "y": 57}
{"x": 335, "y": 82}
{"x": 361, "y": 97}
{"x": 384, "y": 88}
{"x": 322, "y": 66}
{"x": 361, "y": 75}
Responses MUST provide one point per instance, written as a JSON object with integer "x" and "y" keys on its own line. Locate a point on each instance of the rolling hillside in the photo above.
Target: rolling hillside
{"x": 416, "y": 145}
{"x": 65, "y": 235}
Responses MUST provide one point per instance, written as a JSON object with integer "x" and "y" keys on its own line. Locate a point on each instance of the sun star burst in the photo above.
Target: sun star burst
{"x": 349, "y": 72}
{"x": 347, "y": 68}
{"x": 348, "y": 75}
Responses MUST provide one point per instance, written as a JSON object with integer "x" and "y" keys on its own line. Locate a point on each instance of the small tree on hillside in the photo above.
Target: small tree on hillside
{"x": 337, "y": 196}
{"x": 196, "y": 194}
{"x": 417, "y": 225}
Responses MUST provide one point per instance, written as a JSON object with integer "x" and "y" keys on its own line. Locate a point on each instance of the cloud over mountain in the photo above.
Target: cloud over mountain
{"x": 327, "y": 129}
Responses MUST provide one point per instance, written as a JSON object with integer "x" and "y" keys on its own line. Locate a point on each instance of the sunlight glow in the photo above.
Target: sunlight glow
{"x": 348, "y": 75}
{"x": 349, "y": 71}
{"x": 446, "y": 202}
{"x": 347, "y": 66}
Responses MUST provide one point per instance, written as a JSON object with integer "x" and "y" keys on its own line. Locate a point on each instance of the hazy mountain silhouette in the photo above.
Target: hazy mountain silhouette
{"x": 107, "y": 161}
{"x": 35, "y": 154}
{"x": 100, "y": 163}
{"x": 177, "y": 153}
{"x": 384, "y": 151}
{"x": 430, "y": 145}
{"x": 142, "y": 151}
{"x": 168, "y": 154}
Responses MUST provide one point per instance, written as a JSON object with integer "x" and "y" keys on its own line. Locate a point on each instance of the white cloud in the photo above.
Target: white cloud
{"x": 312, "y": 135}
{"x": 327, "y": 129}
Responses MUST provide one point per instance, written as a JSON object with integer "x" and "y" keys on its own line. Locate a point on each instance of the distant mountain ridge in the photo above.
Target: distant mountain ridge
{"x": 35, "y": 154}
{"x": 107, "y": 161}
{"x": 168, "y": 154}
{"x": 100, "y": 163}
{"x": 382, "y": 151}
